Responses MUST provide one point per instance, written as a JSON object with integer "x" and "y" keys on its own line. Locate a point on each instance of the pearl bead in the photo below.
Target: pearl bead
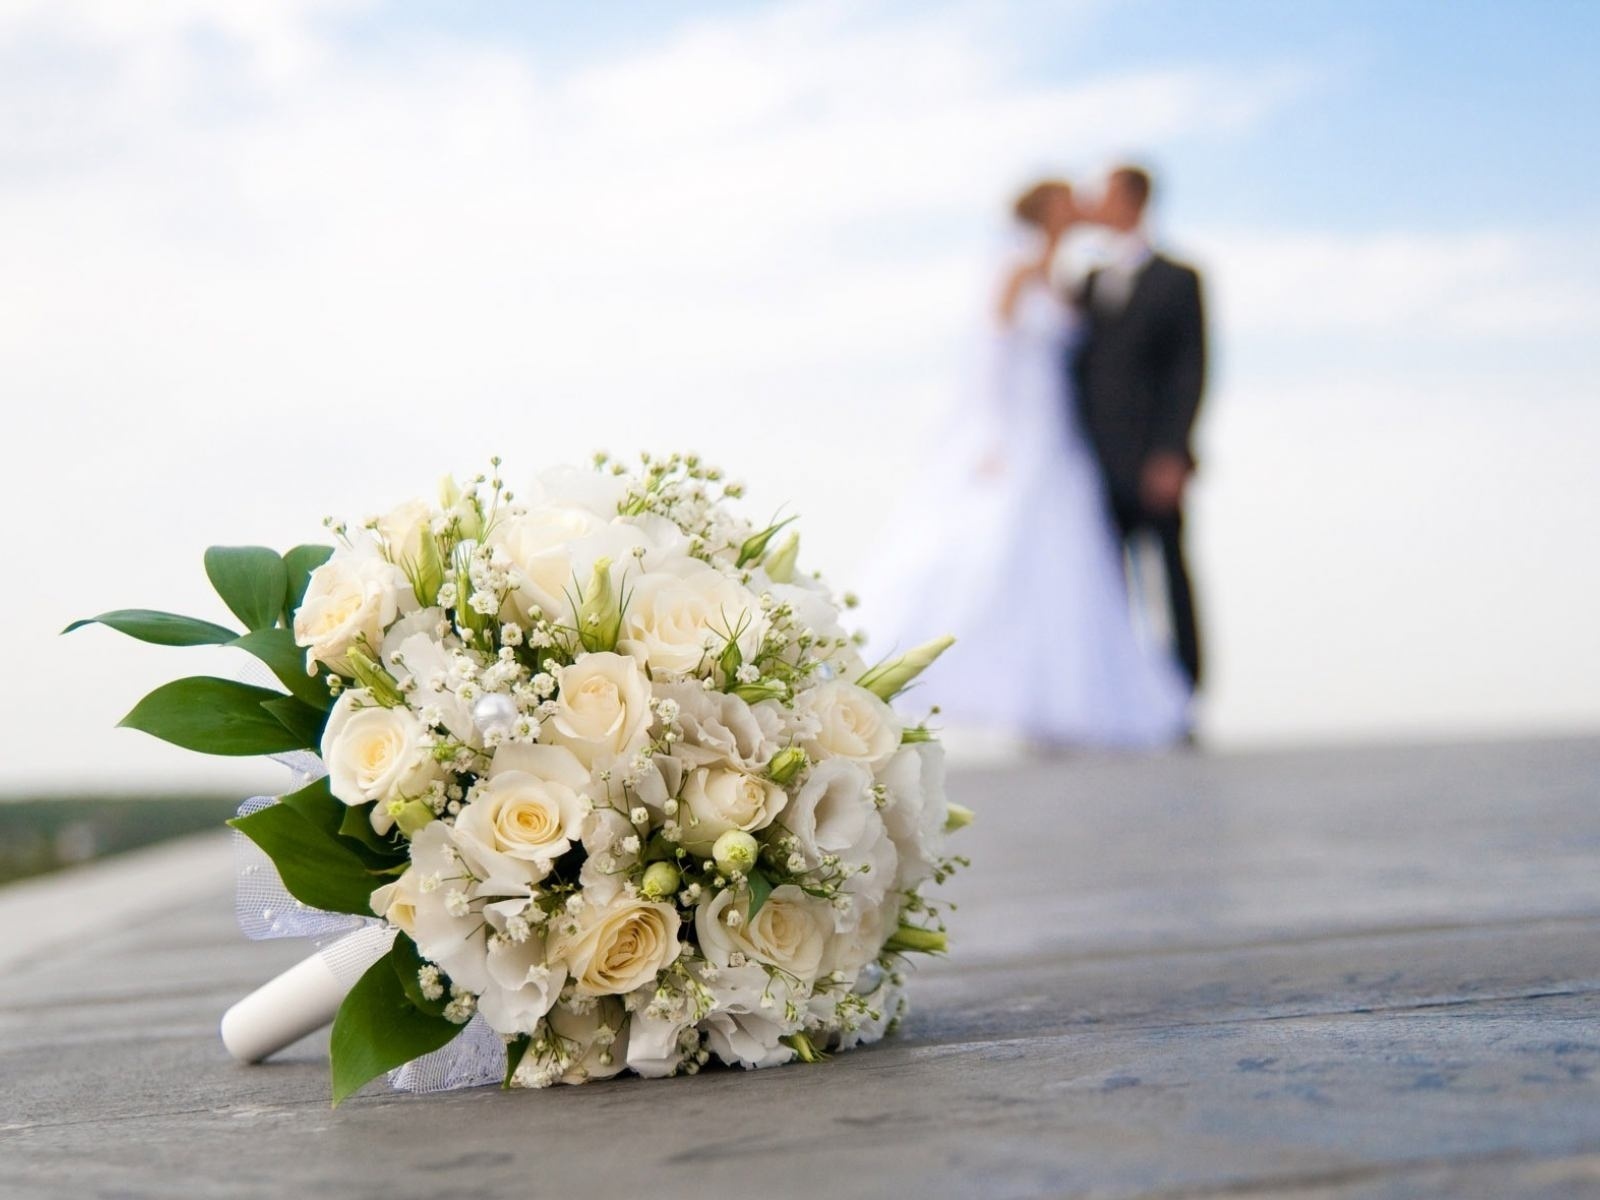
{"x": 494, "y": 712}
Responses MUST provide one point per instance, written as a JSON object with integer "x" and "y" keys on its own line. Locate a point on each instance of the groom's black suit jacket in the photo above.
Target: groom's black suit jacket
{"x": 1139, "y": 371}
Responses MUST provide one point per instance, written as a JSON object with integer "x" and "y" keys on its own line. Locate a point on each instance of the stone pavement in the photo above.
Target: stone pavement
{"x": 1329, "y": 974}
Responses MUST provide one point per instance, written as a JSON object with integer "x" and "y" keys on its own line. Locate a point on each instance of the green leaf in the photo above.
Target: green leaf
{"x": 760, "y": 889}
{"x": 159, "y": 628}
{"x": 299, "y": 563}
{"x": 252, "y": 581}
{"x": 314, "y": 866}
{"x": 356, "y": 824}
{"x": 515, "y": 1050}
{"x": 276, "y": 648}
{"x": 302, "y": 721}
{"x": 379, "y": 1029}
{"x": 407, "y": 961}
{"x": 349, "y": 825}
{"x": 213, "y": 716}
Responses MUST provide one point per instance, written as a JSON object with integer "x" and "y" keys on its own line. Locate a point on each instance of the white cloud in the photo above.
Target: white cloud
{"x": 1407, "y": 283}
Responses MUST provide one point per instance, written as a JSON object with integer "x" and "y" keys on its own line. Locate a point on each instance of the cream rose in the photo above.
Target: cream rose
{"x": 374, "y": 753}
{"x": 530, "y": 809}
{"x": 674, "y": 620}
{"x": 790, "y": 932}
{"x": 715, "y": 800}
{"x": 616, "y": 948}
{"x": 540, "y": 545}
{"x": 602, "y": 709}
{"x": 349, "y": 602}
{"x": 851, "y": 723}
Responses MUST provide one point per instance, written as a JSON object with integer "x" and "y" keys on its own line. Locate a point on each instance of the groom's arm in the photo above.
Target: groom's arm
{"x": 1186, "y": 370}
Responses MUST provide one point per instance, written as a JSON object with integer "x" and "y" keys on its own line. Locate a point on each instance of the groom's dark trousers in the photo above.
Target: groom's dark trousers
{"x": 1139, "y": 372}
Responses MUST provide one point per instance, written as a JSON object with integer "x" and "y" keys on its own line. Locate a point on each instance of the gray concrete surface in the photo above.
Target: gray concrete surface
{"x": 1317, "y": 975}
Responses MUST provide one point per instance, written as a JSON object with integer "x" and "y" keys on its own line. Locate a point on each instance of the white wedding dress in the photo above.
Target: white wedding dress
{"x": 1007, "y": 545}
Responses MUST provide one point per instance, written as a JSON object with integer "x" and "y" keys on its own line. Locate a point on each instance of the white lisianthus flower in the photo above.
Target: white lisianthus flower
{"x": 658, "y": 1043}
{"x": 439, "y": 896}
{"x": 716, "y": 800}
{"x": 530, "y": 810}
{"x": 350, "y": 600}
{"x": 424, "y": 667}
{"x": 721, "y": 727}
{"x": 680, "y": 618}
{"x": 605, "y": 836}
{"x": 602, "y": 710}
{"x": 524, "y": 984}
{"x": 378, "y": 754}
{"x": 790, "y": 932}
{"x": 862, "y": 940}
{"x": 851, "y": 723}
{"x": 748, "y": 1038}
{"x": 917, "y": 809}
{"x": 594, "y": 1042}
{"x": 618, "y": 947}
{"x": 828, "y": 815}
{"x": 872, "y": 861}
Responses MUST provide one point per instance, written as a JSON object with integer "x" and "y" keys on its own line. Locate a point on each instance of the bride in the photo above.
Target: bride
{"x": 1008, "y": 545}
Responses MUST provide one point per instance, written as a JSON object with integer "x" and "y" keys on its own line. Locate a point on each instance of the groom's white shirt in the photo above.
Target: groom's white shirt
{"x": 1127, "y": 255}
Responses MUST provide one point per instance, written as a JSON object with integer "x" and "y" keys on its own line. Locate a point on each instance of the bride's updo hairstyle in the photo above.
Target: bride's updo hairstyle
{"x": 1031, "y": 207}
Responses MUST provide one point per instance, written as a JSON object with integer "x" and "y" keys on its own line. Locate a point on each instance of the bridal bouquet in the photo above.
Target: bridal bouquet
{"x": 605, "y": 764}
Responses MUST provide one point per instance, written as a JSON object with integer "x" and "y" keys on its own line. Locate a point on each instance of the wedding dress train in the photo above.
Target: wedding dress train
{"x": 1006, "y": 544}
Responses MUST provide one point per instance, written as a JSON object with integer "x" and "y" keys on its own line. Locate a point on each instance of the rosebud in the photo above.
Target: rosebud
{"x": 411, "y": 815}
{"x": 888, "y": 679}
{"x": 756, "y": 544}
{"x": 376, "y": 680}
{"x": 786, "y": 765}
{"x": 599, "y": 615}
{"x": 660, "y": 881}
{"x": 780, "y": 563}
{"x": 911, "y": 938}
{"x": 735, "y": 852}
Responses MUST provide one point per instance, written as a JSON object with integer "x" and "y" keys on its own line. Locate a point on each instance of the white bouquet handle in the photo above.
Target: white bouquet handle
{"x": 304, "y": 998}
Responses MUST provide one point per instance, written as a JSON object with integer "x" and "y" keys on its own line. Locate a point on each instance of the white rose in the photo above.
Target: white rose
{"x": 615, "y": 948}
{"x": 675, "y": 620}
{"x": 602, "y": 708}
{"x": 374, "y": 753}
{"x": 851, "y": 723}
{"x": 715, "y": 800}
{"x": 828, "y": 815}
{"x": 530, "y": 809}
{"x": 916, "y": 810}
{"x": 402, "y": 530}
{"x": 539, "y": 544}
{"x": 594, "y": 1042}
{"x": 349, "y": 601}
{"x": 596, "y": 492}
{"x": 553, "y": 551}
{"x": 790, "y": 932}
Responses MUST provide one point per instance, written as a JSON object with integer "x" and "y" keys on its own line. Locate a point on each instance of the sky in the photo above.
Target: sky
{"x": 264, "y": 263}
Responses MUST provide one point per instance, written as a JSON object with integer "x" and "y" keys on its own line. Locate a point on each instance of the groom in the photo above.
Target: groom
{"x": 1139, "y": 372}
